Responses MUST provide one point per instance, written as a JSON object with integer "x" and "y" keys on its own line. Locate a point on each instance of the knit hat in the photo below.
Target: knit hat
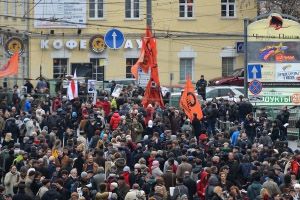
{"x": 126, "y": 169}
{"x": 114, "y": 184}
{"x": 83, "y": 174}
{"x": 150, "y": 123}
{"x": 155, "y": 163}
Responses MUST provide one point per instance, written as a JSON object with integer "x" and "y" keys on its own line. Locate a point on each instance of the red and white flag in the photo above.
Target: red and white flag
{"x": 73, "y": 88}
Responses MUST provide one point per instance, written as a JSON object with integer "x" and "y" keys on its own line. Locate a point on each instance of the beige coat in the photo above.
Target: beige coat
{"x": 11, "y": 181}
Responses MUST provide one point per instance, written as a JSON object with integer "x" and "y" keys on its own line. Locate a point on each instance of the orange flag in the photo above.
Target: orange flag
{"x": 189, "y": 101}
{"x": 148, "y": 54}
{"x": 153, "y": 91}
{"x": 11, "y": 67}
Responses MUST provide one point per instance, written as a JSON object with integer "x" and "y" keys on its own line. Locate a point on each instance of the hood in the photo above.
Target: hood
{"x": 204, "y": 177}
{"x": 116, "y": 115}
{"x": 256, "y": 186}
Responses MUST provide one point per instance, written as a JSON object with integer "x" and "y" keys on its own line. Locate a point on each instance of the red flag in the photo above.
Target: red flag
{"x": 148, "y": 54}
{"x": 189, "y": 101}
{"x": 11, "y": 67}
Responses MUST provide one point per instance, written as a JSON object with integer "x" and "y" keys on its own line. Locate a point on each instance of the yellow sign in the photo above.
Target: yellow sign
{"x": 274, "y": 28}
{"x": 97, "y": 44}
{"x": 14, "y": 44}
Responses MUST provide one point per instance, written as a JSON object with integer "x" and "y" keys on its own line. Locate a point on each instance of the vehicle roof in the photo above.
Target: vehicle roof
{"x": 223, "y": 86}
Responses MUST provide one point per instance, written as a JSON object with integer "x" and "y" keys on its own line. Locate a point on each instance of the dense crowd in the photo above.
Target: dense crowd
{"x": 116, "y": 149}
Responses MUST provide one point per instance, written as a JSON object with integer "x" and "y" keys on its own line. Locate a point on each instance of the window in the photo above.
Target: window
{"x": 225, "y": 92}
{"x": 5, "y": 7}
{"x": 212, "y": 93}
{"x": 129, "y": 63}
{"x": 23, "y": 8}
{"x": 228, "y": 8}
{"x": 98, "y": 68}
{"x": 132, "y": 9}
{"x": 59, "y": 67}
{"x": 227, "y": 66}
{"x": 186, "y": 68}
{"x": 186, "y": 8}
{"x": 96, "y": 9}
{"x": 14, "y": 8}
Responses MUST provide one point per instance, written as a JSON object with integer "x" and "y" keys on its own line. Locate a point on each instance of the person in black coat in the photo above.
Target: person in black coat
{"x": 283, "y": 117}
{"x": 21, "y": 195}
{"x": 52, "y": 193}
{"x": 196, "y": 123}
{"x": 250, "y": 127}
{"x": 190, "y": 184}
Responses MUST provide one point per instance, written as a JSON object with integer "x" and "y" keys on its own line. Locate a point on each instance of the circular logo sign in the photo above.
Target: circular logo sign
{"x": 14, "y": 44}
{"x": 97, "y": 44}
{"x": 296, "y": 98}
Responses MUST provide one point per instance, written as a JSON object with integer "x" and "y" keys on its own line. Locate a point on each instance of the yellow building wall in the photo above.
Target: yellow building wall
{"x": 207, "y": 19}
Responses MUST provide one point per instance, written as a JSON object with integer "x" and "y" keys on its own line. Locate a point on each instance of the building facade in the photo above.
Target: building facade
{"x": 59, "y": 36}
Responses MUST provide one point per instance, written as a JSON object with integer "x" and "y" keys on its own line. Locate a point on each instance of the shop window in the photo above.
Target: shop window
{"x": 83, "y": 70}
{"x": 186, "y": 68}
{"x": 227, "y": 65}
{"x": 132, "y": 9}
{"x": 60, "y": 67}
{"x": 186, "y": 8}
{"x": 129, "y": 63}
{"x": 228, "y": 8}
{"x": 96, "y": 9}
{"x": 98, "y": 68}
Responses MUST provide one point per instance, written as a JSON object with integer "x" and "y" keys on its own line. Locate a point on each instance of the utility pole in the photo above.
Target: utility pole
{"x": 149, "y": 14}
{"x": 246, "y": 22}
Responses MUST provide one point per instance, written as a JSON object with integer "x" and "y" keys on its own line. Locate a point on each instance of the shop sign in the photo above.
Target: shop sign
{"x": 83, "y": 44}
{"x": 278, "y": 96}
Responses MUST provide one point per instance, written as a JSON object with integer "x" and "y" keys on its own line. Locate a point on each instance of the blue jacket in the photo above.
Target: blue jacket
{"x": 234, "y": 138}
{"x": 27, "y": 106}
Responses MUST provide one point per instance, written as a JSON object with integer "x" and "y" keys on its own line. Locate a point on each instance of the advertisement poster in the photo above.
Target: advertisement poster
{"x": 274, "y": 52}
{"x": 289, "y": 72}
{"x": 60, "y": 13}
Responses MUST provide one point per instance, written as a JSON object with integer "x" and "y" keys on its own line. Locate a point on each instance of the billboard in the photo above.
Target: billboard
{"x": 274, "y": 52}
{"x": 274, "y": 44}
{"x": 60, "y": 13}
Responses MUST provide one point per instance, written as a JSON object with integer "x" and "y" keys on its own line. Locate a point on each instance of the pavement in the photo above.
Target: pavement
{"x": 293, "y": 145}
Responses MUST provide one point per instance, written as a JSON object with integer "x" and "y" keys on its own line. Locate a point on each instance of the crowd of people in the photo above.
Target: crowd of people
{"x": 116, "y": 149}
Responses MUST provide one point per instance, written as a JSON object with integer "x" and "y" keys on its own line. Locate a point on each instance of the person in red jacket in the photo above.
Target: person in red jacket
{"x": 106, "y": 106}
{"x": 115, "y": 120}
{"x": 295, "y": 165}
{"x": 202, "y": 184}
